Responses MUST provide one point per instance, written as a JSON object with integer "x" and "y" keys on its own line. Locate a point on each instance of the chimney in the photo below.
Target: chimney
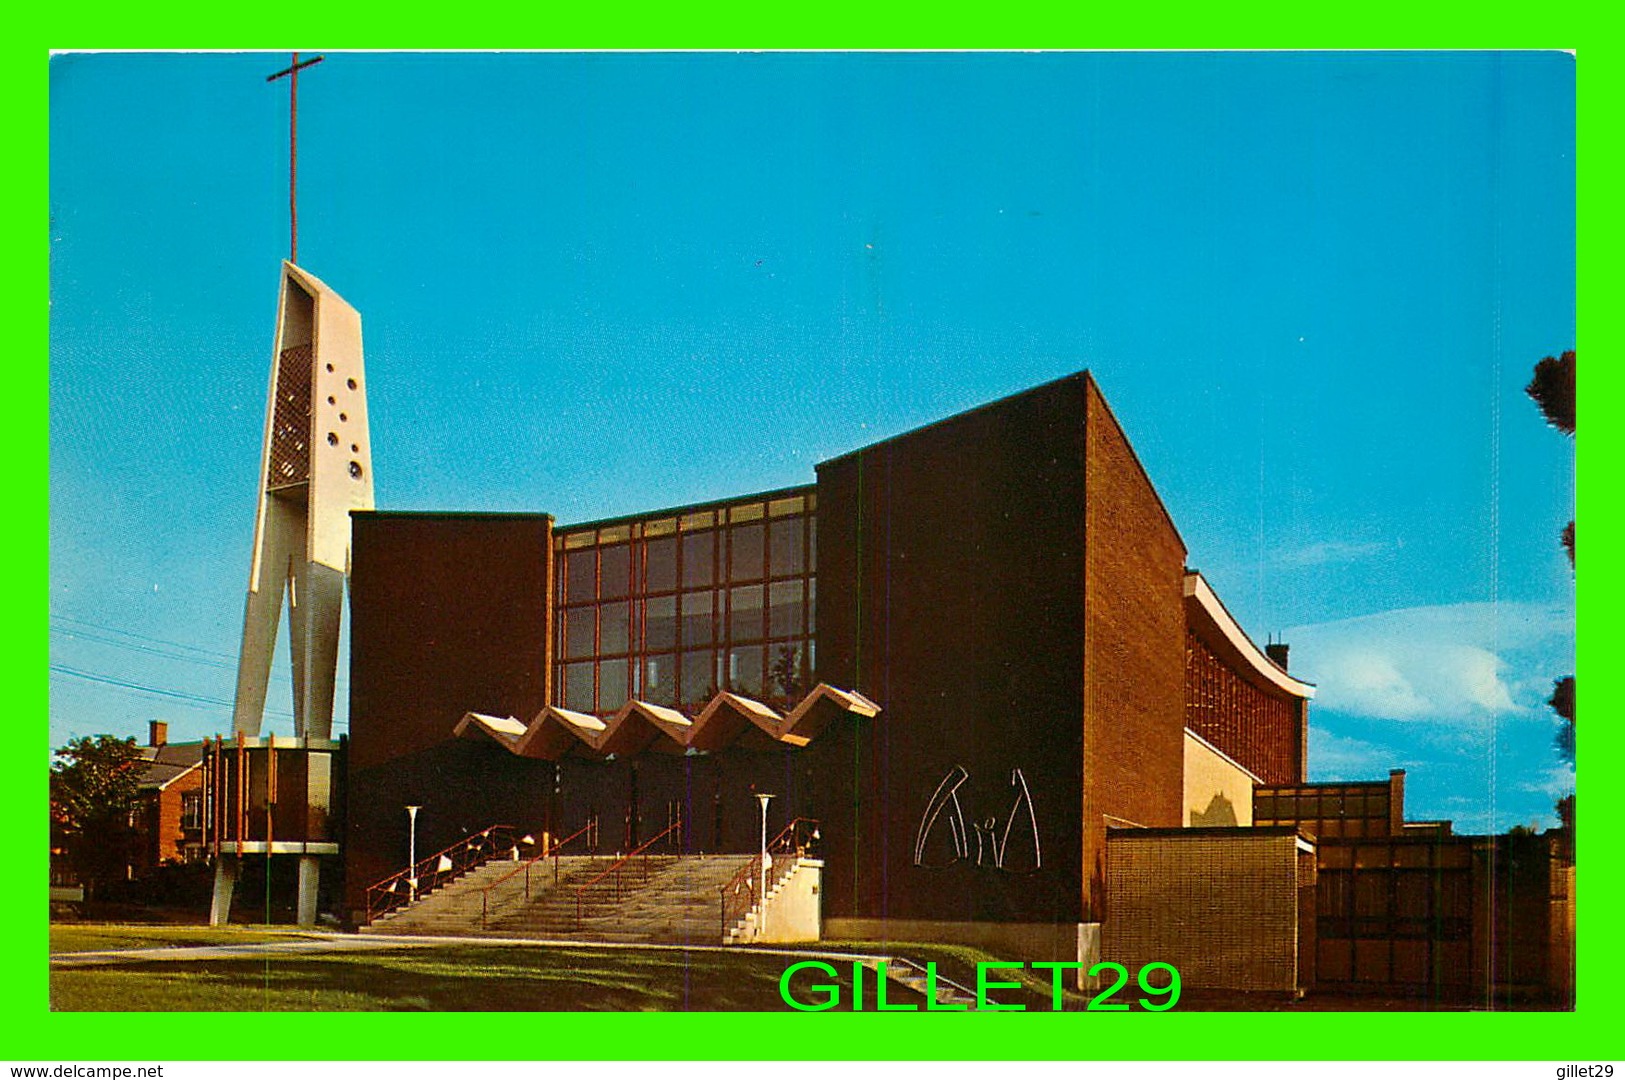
{"x": 157, "y": 733}
{"x": 1396, "y": 802}
{"x": 1276, "y": 651}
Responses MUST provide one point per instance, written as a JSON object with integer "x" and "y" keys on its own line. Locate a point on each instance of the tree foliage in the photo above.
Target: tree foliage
{"x": 95, "y": 782}
{"x": 1553, "y": 390}
{"x": 1562, "y": 703}
{"x": 1565, "y": 813}
{"x": 786, "y": 676}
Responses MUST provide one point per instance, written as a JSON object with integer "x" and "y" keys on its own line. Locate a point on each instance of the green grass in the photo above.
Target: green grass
{"x": 90, "y": 937}
{"x": 958, "y": 962}
{"x": 443, "y": 978}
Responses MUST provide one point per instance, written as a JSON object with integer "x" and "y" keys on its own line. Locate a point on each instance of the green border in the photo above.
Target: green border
{"x": 34, "y": 1033}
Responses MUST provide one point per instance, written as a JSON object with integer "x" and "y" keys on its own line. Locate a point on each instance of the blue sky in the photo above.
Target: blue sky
{"x": 1312, "y": 287}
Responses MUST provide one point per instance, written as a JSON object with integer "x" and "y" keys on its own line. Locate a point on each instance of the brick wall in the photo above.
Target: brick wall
{"x": 950, "y": 591}
{"x": 1133, "y": 662}
{"x": 171, "y": 837}
{"x": 1261, "y": 726}
{"x": 1221, "y": 905}
{"x": 451, "y": 613}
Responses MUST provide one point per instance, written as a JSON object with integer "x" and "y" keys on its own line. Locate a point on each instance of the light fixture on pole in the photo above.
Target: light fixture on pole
{"x": 412, "y": 852}
{"x": 767, "y": 861}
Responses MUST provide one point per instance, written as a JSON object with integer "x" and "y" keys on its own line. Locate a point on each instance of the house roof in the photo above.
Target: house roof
{"x": 168, "y": 763}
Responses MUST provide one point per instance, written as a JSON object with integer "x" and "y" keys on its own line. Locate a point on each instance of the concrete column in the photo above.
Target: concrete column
{"x": 310, "y": 876}
{"x": 225, "y": 883}
{"x": 1088, "y": 955}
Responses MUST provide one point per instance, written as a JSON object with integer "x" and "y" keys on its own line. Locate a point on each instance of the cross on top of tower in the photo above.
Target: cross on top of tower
{"x": 292, "y": 74}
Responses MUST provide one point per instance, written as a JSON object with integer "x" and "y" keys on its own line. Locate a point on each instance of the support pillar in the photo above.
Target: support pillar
{"x": 310, "y": 877}
{"x": 226, "y": 868}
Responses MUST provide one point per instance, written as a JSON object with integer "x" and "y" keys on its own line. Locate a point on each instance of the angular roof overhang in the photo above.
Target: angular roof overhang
{"x": 728, "y": 720}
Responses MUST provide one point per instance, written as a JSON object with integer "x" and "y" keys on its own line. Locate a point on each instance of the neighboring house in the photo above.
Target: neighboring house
{"x": 168, "y": 817}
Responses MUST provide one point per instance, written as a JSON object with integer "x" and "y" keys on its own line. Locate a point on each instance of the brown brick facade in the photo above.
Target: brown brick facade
{"x": 1263, "y": 728}
{"x": 1005, "y": 584}
{"x": 1221, "y": 905}
{"x": 451, "y": 612}
{"x": 158, "y": 820}
{"x": 1134, "y": 626}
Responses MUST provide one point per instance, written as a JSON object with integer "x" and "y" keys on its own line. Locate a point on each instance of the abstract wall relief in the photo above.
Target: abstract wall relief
{"x": 985, "y": 840}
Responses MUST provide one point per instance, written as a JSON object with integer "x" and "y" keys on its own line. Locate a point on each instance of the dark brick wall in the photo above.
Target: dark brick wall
{"x": 950, "y": 591}
{"x": 1134, "y": 648}
{"x": 451, "y": 613}
{"x": 956, "y": 589}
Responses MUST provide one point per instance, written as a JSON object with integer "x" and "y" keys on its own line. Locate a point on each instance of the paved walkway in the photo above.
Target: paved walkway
{"x": 318, "y": 942}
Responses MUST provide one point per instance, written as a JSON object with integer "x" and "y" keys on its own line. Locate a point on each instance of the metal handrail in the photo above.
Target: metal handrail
{"x": 674, "y": 830}
{"x": 386, "y": 895}
{"x": 589, "y": 830}
{"x": 741, "y": 888}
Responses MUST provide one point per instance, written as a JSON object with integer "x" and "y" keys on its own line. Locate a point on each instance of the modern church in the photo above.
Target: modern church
{"x": 968, "y": 671}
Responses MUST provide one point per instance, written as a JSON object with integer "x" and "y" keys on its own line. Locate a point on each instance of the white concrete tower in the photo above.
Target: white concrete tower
{"x": 315, "y": 467}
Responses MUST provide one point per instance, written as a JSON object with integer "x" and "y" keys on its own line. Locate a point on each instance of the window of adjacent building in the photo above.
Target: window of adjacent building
{"x": 673, "y": 609}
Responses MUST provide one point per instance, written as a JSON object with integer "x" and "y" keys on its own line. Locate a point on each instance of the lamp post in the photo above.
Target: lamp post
{"x": 412, "y": 852}
{"x": 767, "y": 861}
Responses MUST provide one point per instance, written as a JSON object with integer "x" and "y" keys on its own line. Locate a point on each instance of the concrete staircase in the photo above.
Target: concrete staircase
{"x": 913, "y": 975}
{"x": 463, "y": 909}
{"x": 744, "y": 929}
{"x": 677, "y": 902}
{"x": 666, "y": 900}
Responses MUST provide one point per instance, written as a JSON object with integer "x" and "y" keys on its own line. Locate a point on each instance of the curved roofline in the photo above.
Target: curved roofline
{"x": 1197, "y": 589}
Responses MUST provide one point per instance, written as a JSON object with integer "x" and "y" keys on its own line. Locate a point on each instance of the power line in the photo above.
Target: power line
{"x": 90, "y": 635}
{"x": 208, "y": 658}
{"x": 126, "y": 684}
{"x": 141, "y": 637}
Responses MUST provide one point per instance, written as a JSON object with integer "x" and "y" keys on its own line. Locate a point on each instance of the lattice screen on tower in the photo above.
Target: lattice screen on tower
{"x": 290, "y": 425}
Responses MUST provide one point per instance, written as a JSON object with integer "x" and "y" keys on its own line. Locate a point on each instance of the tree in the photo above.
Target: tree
{"x": 1552, "y": 389}
{"x": 1562, "y": 703}
{"x": 785, "y": 672}
{"x": 95, "y": 782}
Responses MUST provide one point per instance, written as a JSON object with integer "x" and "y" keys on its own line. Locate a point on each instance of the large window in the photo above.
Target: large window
{"x": 673, "y": 608}
{"x": 1329, "y": 811}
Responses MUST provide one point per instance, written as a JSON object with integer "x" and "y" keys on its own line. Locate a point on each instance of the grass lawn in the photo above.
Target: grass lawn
{"x": 958, "y": 962}
{"x": 446, "y": 978}
{"x": 91, "y": 937}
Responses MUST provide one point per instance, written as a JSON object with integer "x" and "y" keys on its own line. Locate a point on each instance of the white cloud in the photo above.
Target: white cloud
{"x": 1451, "y": 662}
{"x": 1339, "y": 757}
{"x": 1330, "y": 551}
{"x": 1554, "y": 782}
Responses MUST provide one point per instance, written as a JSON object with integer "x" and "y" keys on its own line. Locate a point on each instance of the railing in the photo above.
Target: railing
{"x": 739, "y": 895}
{"x": 426, "y": 875}
{"x": 618, "y": 868}
{"x": 587, "y": 834}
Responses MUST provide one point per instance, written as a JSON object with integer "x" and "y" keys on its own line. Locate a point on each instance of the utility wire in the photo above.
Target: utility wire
{"x": 141, "y": 637}
{"x": 126, "y": 684}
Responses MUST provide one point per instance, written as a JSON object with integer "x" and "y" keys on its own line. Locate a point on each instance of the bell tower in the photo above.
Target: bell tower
{"x": 315, "y": 467}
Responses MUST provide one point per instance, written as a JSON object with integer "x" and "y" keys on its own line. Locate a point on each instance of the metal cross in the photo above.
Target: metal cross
{"x": 293, "y": 147}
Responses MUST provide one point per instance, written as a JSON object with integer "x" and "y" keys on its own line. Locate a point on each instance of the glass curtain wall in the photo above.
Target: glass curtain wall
{"x": 675, "y": 607}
